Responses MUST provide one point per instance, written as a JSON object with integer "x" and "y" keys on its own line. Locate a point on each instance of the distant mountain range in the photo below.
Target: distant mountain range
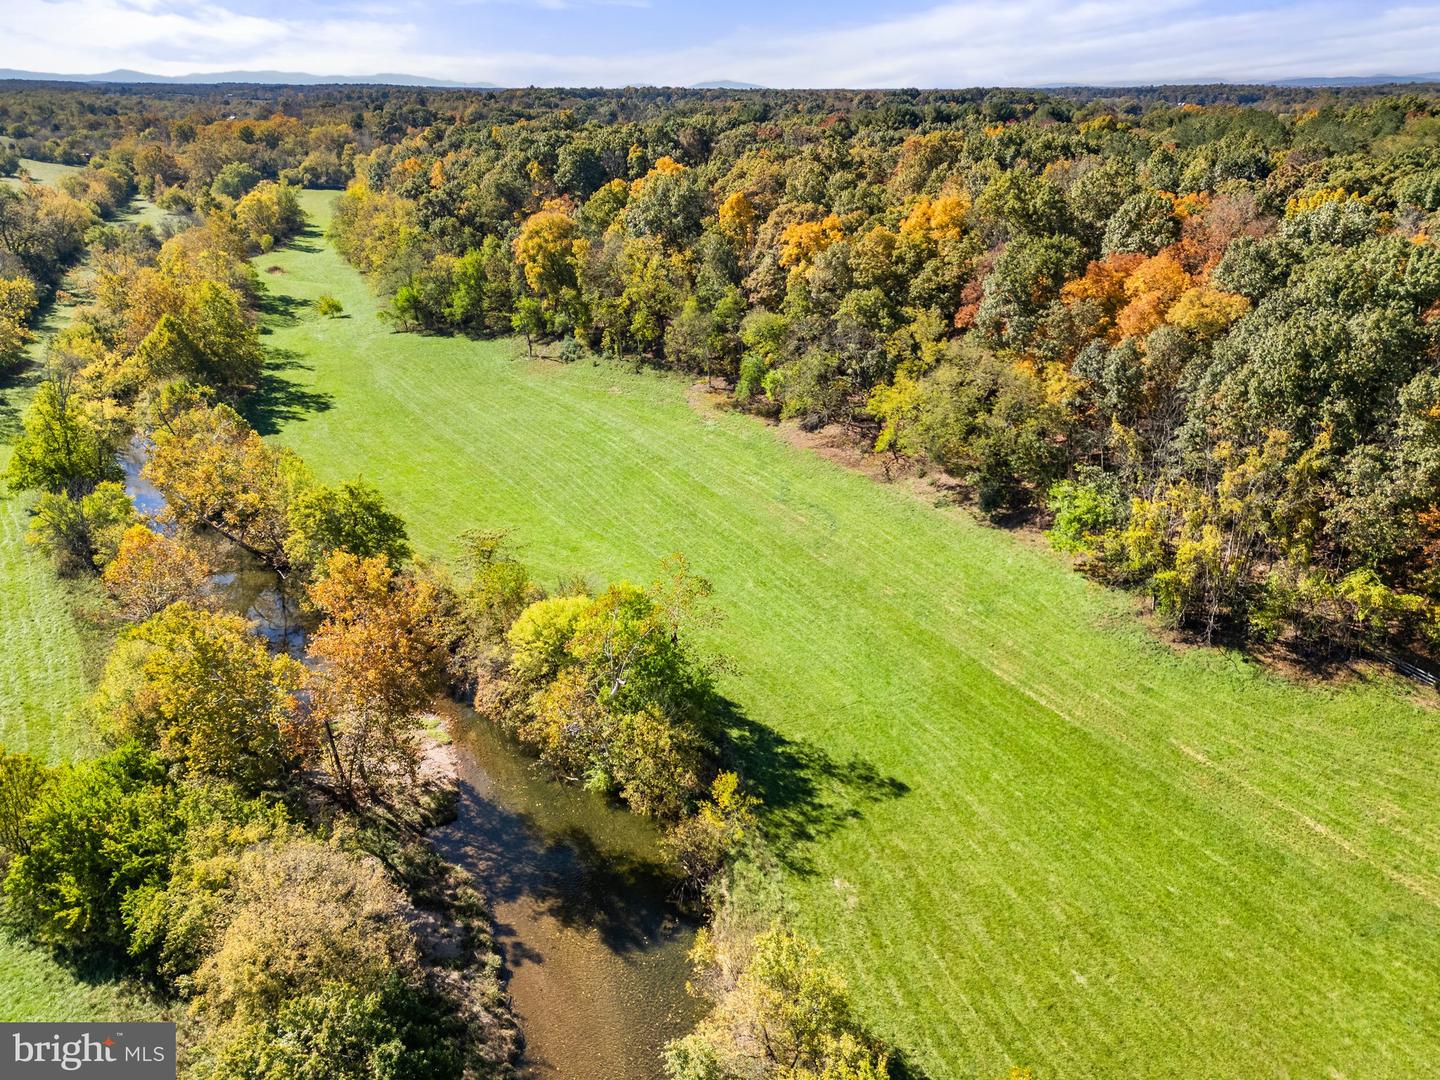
{"x": 294, "y": 78}
{"x": 726, "y": 84}
{"x": 1359, "y": 80}
{"x": 277, "y": 78}
{"x": 1314, "y": 81}
{"x": 301, "y": 78}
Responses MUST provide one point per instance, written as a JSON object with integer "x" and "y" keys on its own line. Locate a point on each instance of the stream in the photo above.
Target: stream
{"x": 595, "y": 954}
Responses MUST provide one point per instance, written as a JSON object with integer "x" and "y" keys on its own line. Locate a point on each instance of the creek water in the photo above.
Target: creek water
{"x": 595, "y": 953}
{"x": 244, "y": 584}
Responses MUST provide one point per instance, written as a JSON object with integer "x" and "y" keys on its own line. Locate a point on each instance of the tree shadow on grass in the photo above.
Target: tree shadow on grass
{"x": 806, "y": 794}
{"x": 15, "y": 381}
{"x": 278, "y": 399}
{"x": 309, "y": 240}
{"x": 96, "y": 969}
{"x": 278, "y": 309}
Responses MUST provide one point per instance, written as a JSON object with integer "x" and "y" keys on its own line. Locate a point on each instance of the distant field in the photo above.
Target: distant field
{"x": 1039, "y": 836}
{"x": 47, "y": 172}
{"x": 143, "y": 212}
{"x": 42, "y": 683}
{"x": 139, "y": 212}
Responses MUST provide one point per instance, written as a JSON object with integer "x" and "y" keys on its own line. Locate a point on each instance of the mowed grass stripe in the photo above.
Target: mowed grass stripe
{"x": 42, "y": 677}
{"x": 1112, "y": 858}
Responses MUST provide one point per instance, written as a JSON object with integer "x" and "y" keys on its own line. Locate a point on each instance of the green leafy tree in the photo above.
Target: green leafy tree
{"x": 1085, "y": 509}
{"x": 235, "y": 179}
{"x": 68, "y": 444}
{"x": 98, "y": 831}
{"x": 612, "y": 695}
{"x": 351, "y": 517}
{"x": 82, "y": 534}
{"x": 1145, "y": 222}
{"x": 22, "y": 783}
{"x": 396, "y": 1032}
{"x": 205, "y": 694}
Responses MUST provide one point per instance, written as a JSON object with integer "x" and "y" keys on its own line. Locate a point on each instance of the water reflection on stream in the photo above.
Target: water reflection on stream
{"x": 595, "y": 954}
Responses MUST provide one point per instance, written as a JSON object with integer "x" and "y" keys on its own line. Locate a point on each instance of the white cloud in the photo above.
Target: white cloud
{"x": 1049, "y": 41}
{"x": 175, "y": 37}
{"x": 955, "y": 44}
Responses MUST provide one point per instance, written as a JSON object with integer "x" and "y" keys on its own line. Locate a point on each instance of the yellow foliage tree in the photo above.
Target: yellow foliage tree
{"x": 1299, "y": 204}
{"x": 801, "y": 242}
{"x": 1206, "y": 311}
{"x": 151, "y": 571}
{"x": 665, "y": 166}
{"x": 737, "y": 218}
{"x": 940, "y": 218}
{"x": 1151, "y": 290}
{"x": 548, "y": 250}
{"x": 379, "y": 665}
{"x": 17, "y": 301}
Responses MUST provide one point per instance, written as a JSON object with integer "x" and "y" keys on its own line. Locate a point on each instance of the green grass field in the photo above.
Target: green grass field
{"x": 43, "y": 663}
{"x": 1031, "y": 833}
{"x": 139, "y": 212}
{"x": 45, "y": 172}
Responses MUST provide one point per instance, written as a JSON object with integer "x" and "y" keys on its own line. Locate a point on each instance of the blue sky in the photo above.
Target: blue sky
{"x": 809, "y": 43}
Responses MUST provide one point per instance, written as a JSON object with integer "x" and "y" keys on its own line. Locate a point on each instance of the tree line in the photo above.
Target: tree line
{"x": 1199, "y": 340}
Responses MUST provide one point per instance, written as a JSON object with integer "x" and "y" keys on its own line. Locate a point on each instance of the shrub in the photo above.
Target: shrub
{"x": 82, "y": 534}
{"x": 304, "y": 916}
{"x": 1084, "y": 509}
{"x": 397, "y": 1032}
{"x": 701, "y": 844}
{"x": 97, "y": 832}
{"x": 786, "y": 1016}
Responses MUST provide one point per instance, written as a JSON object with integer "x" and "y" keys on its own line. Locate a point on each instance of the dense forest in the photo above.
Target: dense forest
{"x": 1197, "y": 334}
{"x": 1194, "y": 333}
{"x": 1200, "y": 338}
